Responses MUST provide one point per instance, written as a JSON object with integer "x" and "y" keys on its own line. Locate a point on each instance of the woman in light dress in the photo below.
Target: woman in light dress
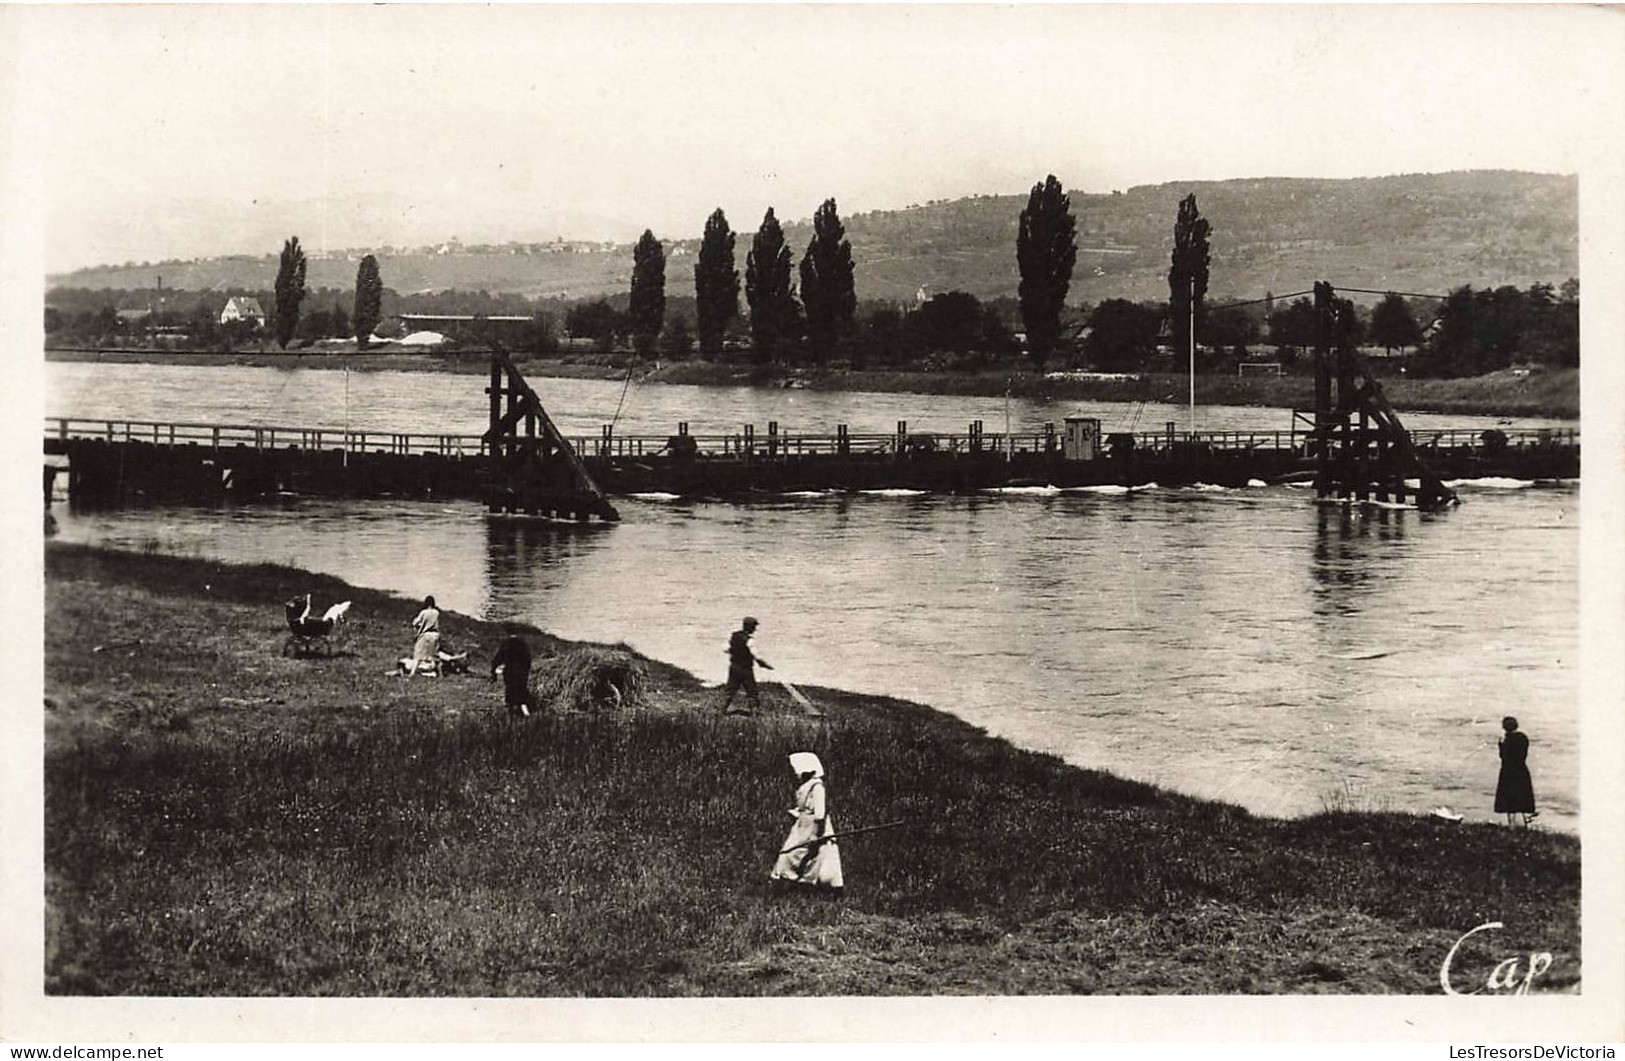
{"x": 426, "y": 624}
{"x": 804, "y": 857}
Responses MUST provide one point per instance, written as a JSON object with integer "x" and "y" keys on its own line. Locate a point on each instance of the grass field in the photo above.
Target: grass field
{"x": 224, "y": 820}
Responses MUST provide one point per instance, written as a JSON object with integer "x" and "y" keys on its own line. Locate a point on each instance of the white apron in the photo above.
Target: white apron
{"x": 820, "y": 867}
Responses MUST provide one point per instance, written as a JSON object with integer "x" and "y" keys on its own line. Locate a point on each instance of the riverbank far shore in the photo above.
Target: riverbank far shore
{"x": 224, "y": 820}
{"x": 1553, "y": 393}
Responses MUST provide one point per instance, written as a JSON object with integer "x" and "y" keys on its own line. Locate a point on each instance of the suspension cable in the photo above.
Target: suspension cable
{"x": 624, "y": 388}
{"x": 1401, "y": 294}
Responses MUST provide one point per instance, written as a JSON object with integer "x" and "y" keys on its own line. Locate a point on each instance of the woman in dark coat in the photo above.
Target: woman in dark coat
{"x": 1514, "y": 791}
{"x": 513, "y": 660}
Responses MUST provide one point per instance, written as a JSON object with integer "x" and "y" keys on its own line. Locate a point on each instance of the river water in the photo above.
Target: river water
{"x": 1250, "y": 645}
{"x": 436, "y": 403}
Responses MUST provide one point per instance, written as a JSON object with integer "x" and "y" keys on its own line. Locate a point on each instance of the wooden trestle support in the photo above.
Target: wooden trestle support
{"x": 535, "y": 472}
{"x": 1362, "y": 451}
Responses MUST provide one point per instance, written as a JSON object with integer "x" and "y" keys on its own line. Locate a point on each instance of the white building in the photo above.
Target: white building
{"x": 242, "y": 308}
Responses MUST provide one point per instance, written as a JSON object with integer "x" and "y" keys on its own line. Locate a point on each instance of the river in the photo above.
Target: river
{"x": 1250, "y": 645}
{"x": 456, "y": 404}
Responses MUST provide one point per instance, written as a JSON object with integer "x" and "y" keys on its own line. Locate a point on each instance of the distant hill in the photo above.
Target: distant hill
{"x": 1418, "y": 232}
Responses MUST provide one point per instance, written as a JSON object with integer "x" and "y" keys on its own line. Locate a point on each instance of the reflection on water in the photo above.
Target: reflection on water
{"x": 529, "y": 559}
{"x": 1251, "y": 645}
{"x": 1351, "y": 547}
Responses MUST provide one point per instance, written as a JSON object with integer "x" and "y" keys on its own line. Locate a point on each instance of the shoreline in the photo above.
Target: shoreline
{"x": 247, "y": 798}
{"x": 1553, "y": 393}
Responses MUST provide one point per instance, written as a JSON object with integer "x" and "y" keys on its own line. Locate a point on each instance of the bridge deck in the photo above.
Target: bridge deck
{"x": 110, "y": 462}
{"x": 745, "y": 443}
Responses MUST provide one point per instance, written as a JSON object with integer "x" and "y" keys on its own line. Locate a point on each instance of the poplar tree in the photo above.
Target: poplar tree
{"x": 646, "y": 307}
{"x": 290, "y": 290}
{"x": 828, "y": 290}
{"x": 1046, "y": 249}
{"x": 768, "y": 290}
{"x": 1189, "y": 262}
{"x": 716, "y": 283}
{"x": 369, "y": 300}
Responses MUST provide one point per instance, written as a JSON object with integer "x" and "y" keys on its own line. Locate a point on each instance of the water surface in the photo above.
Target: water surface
{"x": 1250, "y": 645}
{"x": 454, "y": 404}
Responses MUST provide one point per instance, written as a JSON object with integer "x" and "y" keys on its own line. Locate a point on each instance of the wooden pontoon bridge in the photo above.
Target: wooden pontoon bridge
{"x": 1352, "y": 446}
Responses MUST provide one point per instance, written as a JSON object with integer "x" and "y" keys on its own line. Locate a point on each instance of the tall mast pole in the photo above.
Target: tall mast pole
{"x": 1193, "y": 356}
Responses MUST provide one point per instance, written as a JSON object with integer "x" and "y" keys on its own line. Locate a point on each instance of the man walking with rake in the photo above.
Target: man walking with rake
{"x": 741, "y": 668}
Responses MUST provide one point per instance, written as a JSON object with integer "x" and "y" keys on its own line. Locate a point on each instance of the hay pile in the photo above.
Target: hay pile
{"x": 590, "y": 679}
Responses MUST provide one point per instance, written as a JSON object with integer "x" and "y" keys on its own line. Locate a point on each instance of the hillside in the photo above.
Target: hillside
{"x": 1417, "y": 232}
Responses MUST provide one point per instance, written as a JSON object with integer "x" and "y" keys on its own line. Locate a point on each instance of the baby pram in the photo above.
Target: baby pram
{"x": 308, "y": 635}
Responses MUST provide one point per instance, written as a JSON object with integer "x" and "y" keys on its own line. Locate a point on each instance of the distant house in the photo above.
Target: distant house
{"x": 243, "y": 308}
{"x": 506, "y": 327}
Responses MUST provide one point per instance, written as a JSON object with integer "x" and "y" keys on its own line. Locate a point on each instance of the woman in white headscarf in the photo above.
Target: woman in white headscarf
{"x": 806, "y": 857}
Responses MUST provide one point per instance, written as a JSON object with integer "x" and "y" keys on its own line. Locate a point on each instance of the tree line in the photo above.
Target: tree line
{"x": 810, "y": 321}
{"x": 819, "y": 320}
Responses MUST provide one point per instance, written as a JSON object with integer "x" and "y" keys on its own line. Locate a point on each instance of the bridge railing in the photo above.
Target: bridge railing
{"x": 736, "y": 445}
{"x": 259, "y": 436}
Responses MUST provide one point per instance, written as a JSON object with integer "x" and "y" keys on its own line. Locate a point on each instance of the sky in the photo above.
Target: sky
{"x": 153, "y": 133}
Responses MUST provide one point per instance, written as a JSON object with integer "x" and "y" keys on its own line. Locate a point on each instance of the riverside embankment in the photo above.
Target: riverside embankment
{"x": 223, "y": 820}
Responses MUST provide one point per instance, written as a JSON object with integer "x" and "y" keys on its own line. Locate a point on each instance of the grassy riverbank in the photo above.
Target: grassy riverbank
{"x": 1553, "y": 393}
{"x": 221, "y": 820}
